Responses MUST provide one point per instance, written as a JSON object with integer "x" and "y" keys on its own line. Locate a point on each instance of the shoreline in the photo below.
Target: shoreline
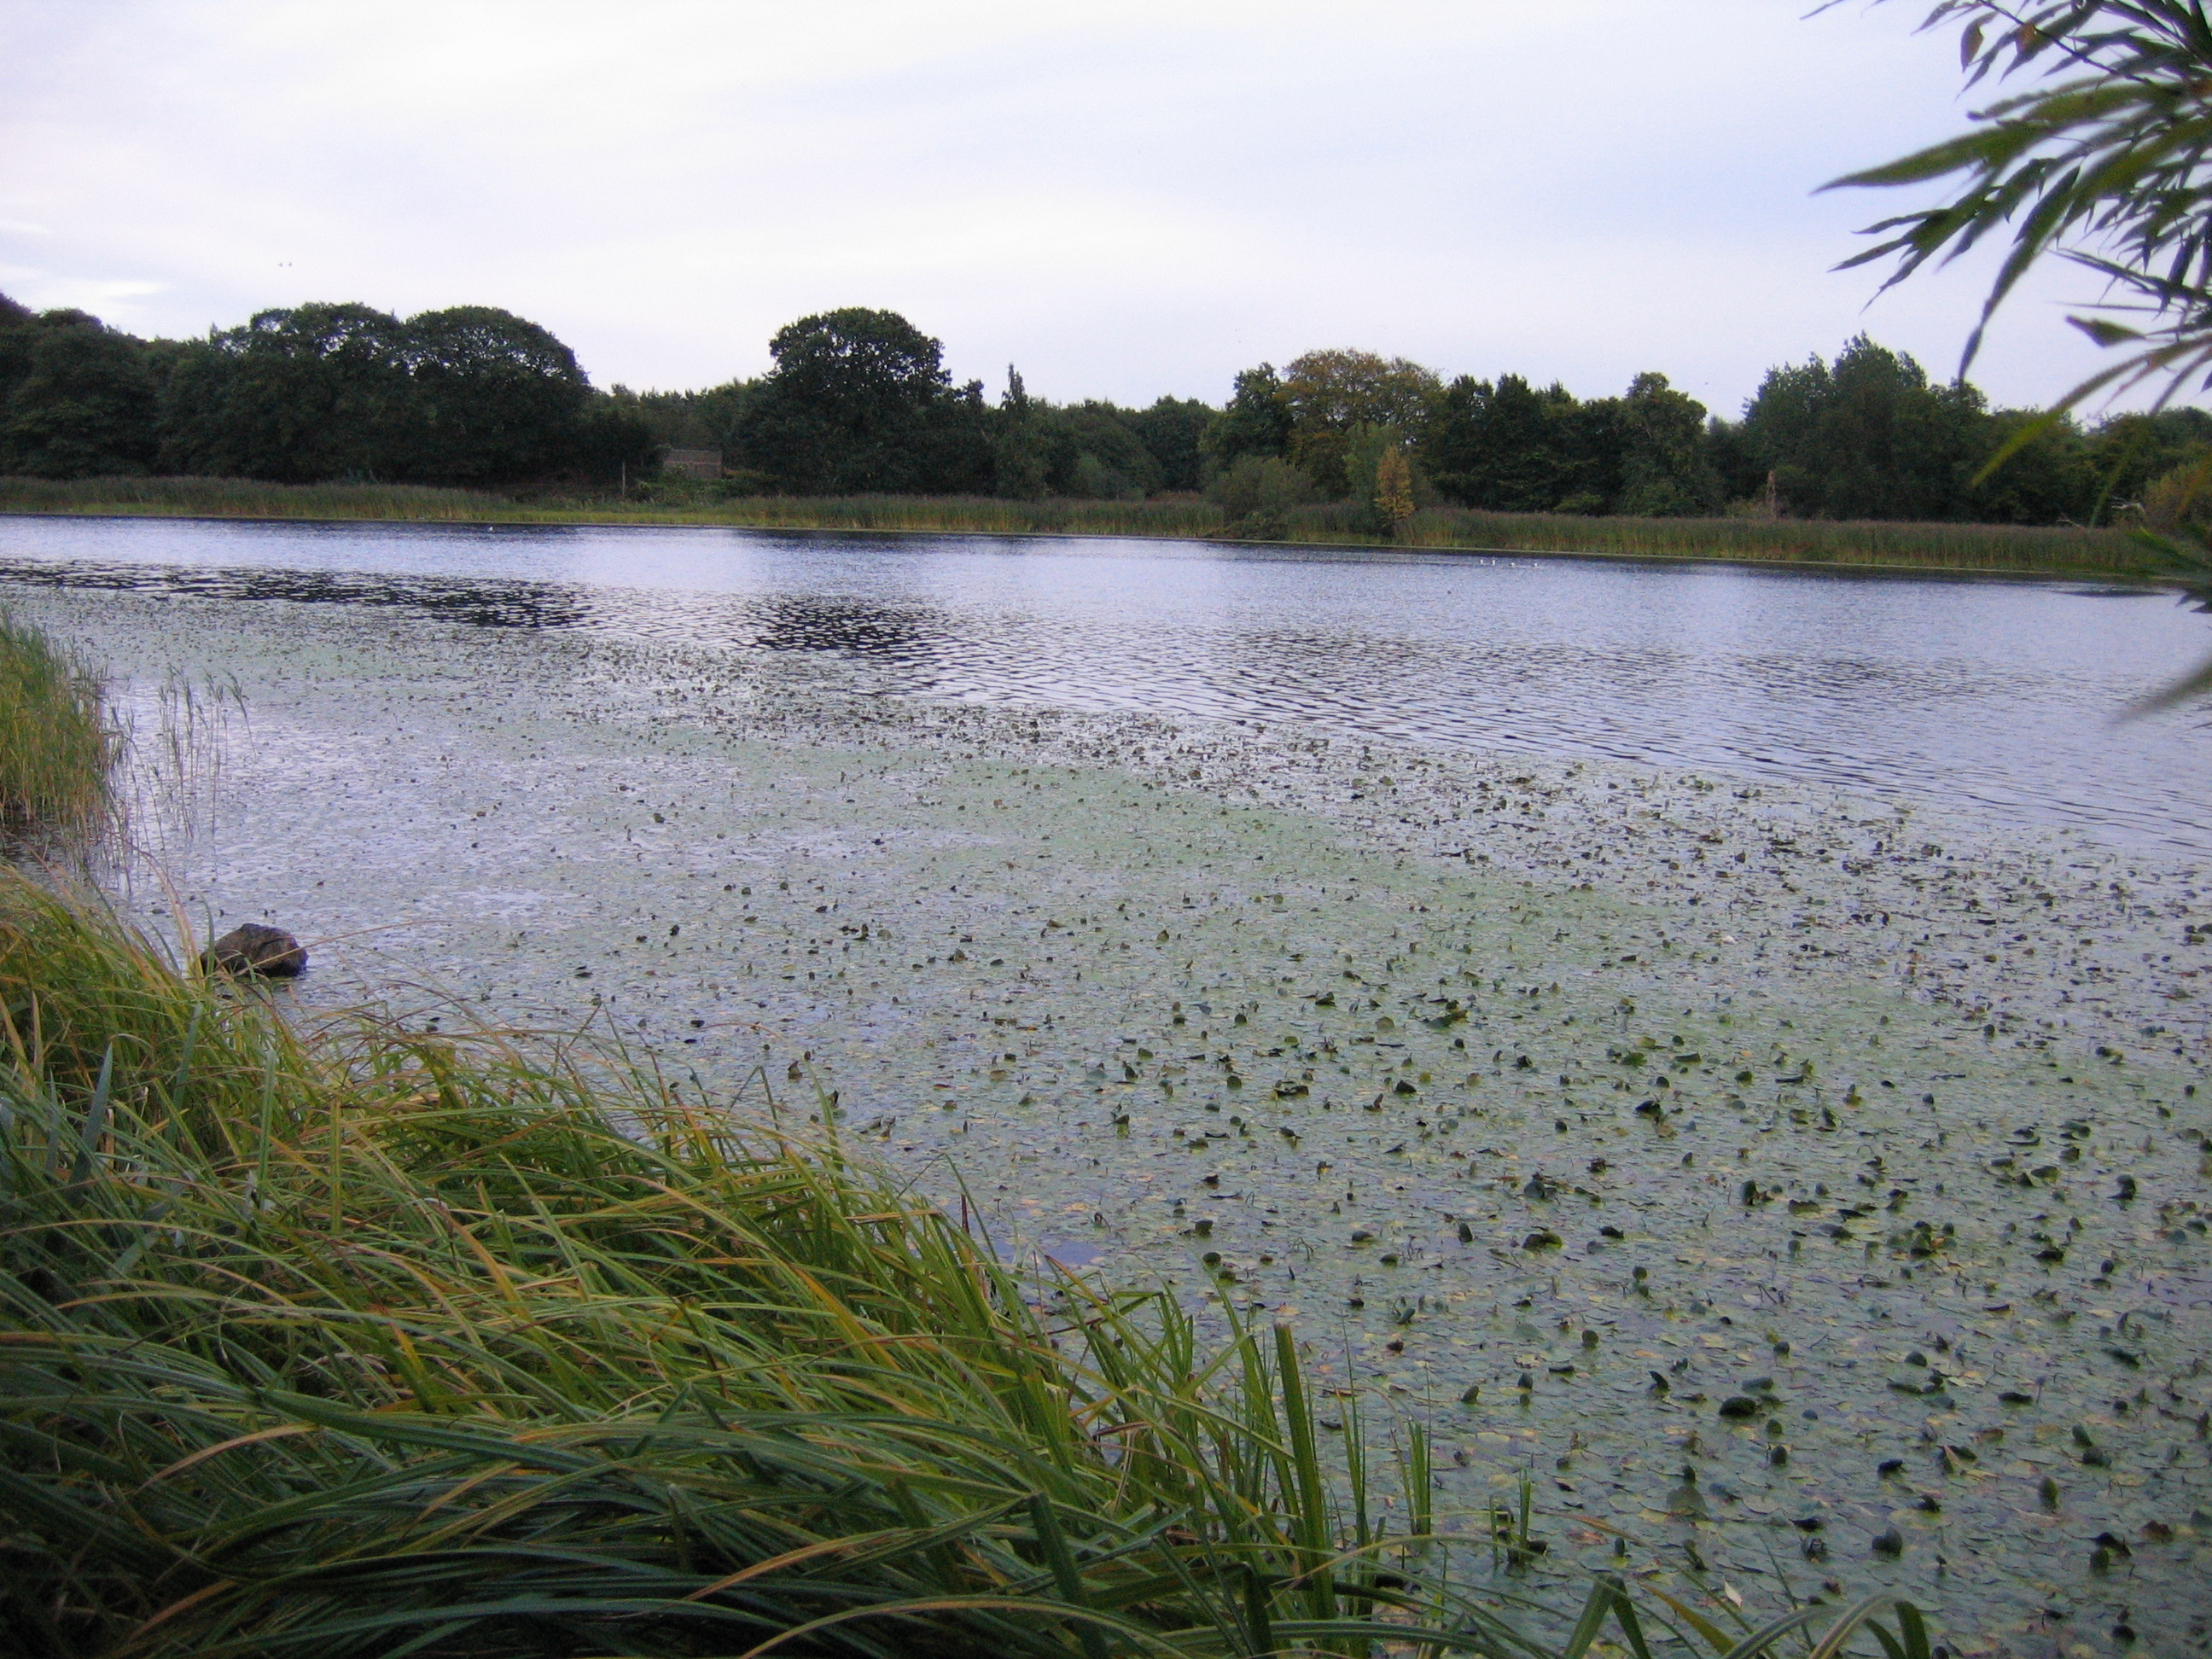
{"x": 651, "y": 519}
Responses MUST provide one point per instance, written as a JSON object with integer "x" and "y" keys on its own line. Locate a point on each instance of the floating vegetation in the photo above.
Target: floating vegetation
{"x": 1609, "y": 1123}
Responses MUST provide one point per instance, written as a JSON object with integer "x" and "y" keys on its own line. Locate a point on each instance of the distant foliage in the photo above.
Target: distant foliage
{"x": 859, "y": 404}
{"x": 1868, "y": 438}
{"x": 1256, "y": 423}
{"x": 1256, "y": 495}
{"x": 1019, "y": 447}
{"x": 79, "y": 398}
{"x": 466, "y": 397}
{"x": 858, "y": 401}
{"x": 1334, "y": 396}
{"x": 1393, "y": 489}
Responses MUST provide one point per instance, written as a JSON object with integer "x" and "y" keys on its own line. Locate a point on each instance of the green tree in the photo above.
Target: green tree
{"x": 2049, "y": 478}
{"x": 1173, "y": 430}
{"x": 492, "y": 398}
{"x": 17, "y": 330}
{"x": 1020, "y": 448}
{"x": 83, "y": 404}
{"x": 1868, "y": 438}
{"x": 1257, "y": 421}
{"x": 1256, "y": 494}
{"x": 609, "y": 441}
{"x": 1665, "y": 469}
{"x": 2127, "y": 452}
{"x": 1743, "y": 474}
{"x": 468, "y": 396}
{"x": 1503, "y": 448}
{"x": 1097, "y": 451}
{"x": 1591, "y": 443}
{"x": 295, "y": 396}
{"x": 858, "y": 401}
{"x": 1329, "y": 394}
{"x": 711, "y": 419}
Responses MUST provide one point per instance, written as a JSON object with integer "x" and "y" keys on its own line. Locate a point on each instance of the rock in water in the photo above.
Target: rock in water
{"x": 251, "y": 947}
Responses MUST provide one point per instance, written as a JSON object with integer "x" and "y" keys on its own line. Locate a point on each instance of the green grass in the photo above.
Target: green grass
{"x": 56, "y": 746}
{"x": 1998, "y": 550}
{"x": 244, "y": 498}
{"x": 354, "y": 1340}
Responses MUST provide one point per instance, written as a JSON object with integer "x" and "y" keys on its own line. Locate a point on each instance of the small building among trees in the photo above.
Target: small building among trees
{"x": 692, "y": 463}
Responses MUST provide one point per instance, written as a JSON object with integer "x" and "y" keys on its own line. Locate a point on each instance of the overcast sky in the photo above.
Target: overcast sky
{"x": 1126, "y": 198}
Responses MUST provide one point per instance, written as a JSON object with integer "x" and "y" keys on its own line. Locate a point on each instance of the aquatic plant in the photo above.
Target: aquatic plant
{"x": 57, "y": 748}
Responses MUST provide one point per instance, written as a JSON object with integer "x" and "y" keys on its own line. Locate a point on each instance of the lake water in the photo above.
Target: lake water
{"x": 1553, "y": 1100}
{"x": 1999, "y": 697}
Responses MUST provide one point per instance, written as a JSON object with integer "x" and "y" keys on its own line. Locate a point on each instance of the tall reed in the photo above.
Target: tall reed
{"x": 363, "y": 1341}
{"x": 246, "y": 498}
{"x": 56, "y": 746}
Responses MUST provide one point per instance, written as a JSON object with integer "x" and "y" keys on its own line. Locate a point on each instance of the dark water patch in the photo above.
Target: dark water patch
{"x": 480, "y": 603}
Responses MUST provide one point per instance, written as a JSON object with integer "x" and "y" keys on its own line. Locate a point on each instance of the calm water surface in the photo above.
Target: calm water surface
{"x": 2001, "y": 696}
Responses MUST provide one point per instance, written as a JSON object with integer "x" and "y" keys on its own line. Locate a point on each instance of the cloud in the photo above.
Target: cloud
{"x": 1127, "y": 199}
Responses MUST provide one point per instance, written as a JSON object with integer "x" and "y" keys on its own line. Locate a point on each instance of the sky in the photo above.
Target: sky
{"x": 1127, "y": 199}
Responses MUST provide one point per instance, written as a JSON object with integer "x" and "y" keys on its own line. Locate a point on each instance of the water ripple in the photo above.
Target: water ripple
{"x": 1998, "y": 695}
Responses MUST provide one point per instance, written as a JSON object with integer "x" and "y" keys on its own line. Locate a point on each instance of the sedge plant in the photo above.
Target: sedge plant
{"x": 56, "y": 746}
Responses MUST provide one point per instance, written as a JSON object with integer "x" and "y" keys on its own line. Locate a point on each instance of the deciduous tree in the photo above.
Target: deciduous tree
{"x": 491, "y": 398}
{"x": 1329, "y": 393}
{"x": 1257, "y": 421}
{"x": 858, "y": 401}
{"x": 1020, "y": 447}
{"x": 84, "y": 403}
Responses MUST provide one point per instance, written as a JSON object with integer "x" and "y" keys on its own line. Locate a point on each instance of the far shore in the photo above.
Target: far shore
{"x": 2061, "y": 552}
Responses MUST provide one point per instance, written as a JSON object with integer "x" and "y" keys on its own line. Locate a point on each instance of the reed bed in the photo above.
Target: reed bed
{"x": 56, "y": 746}
{"x": 1998, "y": 549}
{"x": 246, "y": 498}
{"x": 1994, "y": 549}
{"x": 359, "y": 1341}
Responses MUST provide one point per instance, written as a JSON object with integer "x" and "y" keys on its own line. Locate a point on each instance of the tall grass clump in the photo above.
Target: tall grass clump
{"x": 57, "y": 747}
{"x": 364, "y": 1341}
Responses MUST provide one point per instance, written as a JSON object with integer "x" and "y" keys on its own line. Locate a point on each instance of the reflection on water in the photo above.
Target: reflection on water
{"x": 2001, "y": 695}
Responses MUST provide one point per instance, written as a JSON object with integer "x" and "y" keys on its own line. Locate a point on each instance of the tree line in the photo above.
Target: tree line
{"x": 468, "y": 397}
{"x": 858, "y": 401}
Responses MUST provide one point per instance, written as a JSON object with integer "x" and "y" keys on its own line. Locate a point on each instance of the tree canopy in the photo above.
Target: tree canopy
{"x": 468, "y": 396}
{"x": 859, "y": 400}
{"x": 79, "y": 398}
